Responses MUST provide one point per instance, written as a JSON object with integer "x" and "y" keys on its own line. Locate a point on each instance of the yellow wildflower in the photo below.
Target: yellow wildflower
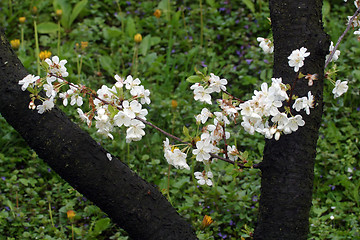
{"x": 22, "y": 19}
{"x": 34, "y": 10}
{"x": 44, "y": 55}
{"x": 138, "y": 38}
{"x": 15, "y": 44}
{"x": 174, "y": 103}
{"x": 70, "y": 214}
{"x": 58, "y": 12}
{"x": 157, "y": 13}
{"x": 84, "y": 45}
{"x": 206, "y": 221}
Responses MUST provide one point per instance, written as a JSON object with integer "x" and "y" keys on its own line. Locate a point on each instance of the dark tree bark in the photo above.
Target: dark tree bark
{"x": 132, "y": 203}
{"x": 287, "y": 167}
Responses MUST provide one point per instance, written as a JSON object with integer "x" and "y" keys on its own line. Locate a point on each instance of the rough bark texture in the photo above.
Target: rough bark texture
{"x": 287, "y": 168}
{"x": 129, "y": 201}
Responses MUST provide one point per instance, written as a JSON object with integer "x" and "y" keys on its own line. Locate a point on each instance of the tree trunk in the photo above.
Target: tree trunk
{"x": 132, "y": 203}
{"x": 287, "y": 167}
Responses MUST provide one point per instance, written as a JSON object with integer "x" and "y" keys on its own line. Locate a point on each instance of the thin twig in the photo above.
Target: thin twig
{"x": 238, "y": 99}
{"x": 341, "y": 37}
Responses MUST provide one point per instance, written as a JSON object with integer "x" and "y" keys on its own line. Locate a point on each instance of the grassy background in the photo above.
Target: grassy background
{"x": 34, "y": 200}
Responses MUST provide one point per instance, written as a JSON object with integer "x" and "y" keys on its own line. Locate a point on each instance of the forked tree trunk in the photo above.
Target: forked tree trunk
{"x": 136, "y": 206}
{"x": 132, "y": 203}
{"x": 287, "y": 167}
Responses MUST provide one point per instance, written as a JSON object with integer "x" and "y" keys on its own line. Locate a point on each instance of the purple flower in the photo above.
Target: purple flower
{"x": 128, "y": 3}
{"x": 231, "y": 223}
{"x": 203, "y": 64}
{"x": 3, "y": 178}
{"x": 246, "y": 26}
{"x": 222, "y": 236}
{"x": 173, "y": 51}
{"x": 332, "y": 187}
{"x": 255, "y": 198}
{"x": 248, "y": 61}
{"x": 266, "y": 61}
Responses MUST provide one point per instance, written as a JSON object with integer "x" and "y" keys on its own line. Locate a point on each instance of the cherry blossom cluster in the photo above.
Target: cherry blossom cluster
{"x": 51, "y": 84}
{"x": 266, "y": 45}
{"x": 116, "y": 107}
{"x": 120, "y": 105}
{"x": 262, "y": 113}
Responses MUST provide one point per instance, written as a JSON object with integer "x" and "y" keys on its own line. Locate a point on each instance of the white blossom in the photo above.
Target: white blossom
{"x": 130, "y": 82}
{"x": 297, "y": 57}
{"x": 47, "y": 105}
{"x": 26, "y": 81}
{"x": 203, "y": 95}
{"x": 204, "y": 178}
{"x": 336, "y": 54}
{"x": 341, "y": 87}
{"x": 217, "y": 84}
{"x": 122, "y": 119}
{"x": 266, "y": 45}
{"x": 203, "y": 116}
{"x": 131, "y": 109}
{"x": 202, "y": 151}
{"x": 83, "y": 116}
{"x": 57, "y": 67}
{"x": 119, "y": 81}
{"x": 142, "y": 93}
{"x": 135, "y": 131}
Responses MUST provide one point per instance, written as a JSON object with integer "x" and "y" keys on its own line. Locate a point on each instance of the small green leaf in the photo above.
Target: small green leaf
{"x": 107, "y": 63}
{"x": 130, "y": 27}
{"x": 47, "y": 27}
{"x": 101, "y": 225}
{"x": 211, "y": 3}
{"x": 111, "y": 32}
{"x": 154, "y": 40}
{"x": 77, "y": 9}
{"x": 113, "y": 111}
{"x": 145, "y": 45}
{"x": 193, "y": 79}
{"x": 326, "y": 9}
{"x": 186, "y": 132}
{"x": 250, "y": 5}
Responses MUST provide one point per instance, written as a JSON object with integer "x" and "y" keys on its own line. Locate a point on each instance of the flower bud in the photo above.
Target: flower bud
{"x": 84, "y": 45}
{"x": 58, "y": 12}
{"x": 34, "y": 10}
{"x": 138, "y": 38}
{"x": 70, "y": 214}
{"x": 22, "y": 19}
{"x": 15, "y": 44}
{"x": 206, "y": 221}
{"x": 157, "y": 13}
{"x": 174, "y": 103}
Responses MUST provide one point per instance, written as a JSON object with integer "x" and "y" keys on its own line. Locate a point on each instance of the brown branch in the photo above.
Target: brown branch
{"x": 238, "y": 99}
{"x": 341, "y": 37}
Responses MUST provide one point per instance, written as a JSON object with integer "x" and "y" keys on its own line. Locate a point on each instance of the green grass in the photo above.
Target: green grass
{"x": 34, "y": 200}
